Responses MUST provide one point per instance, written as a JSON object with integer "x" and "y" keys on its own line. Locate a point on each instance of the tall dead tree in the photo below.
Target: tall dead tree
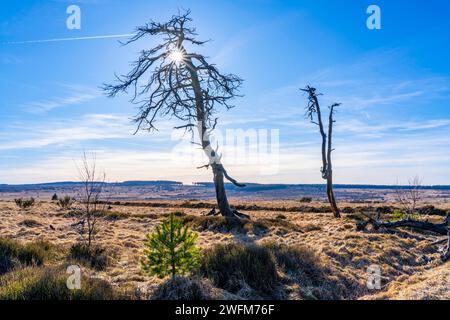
{"x": 314, "y": 113}
{"x": 170, "y": 80}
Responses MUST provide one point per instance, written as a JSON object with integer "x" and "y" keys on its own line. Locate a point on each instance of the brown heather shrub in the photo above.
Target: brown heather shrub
{"x": 219, "y": 224}
{"x": 24, "y": 203}
{"x": 244, "y": 226}
{"x": 297, "y": 259}
{"x": 309, "y": 270}
{"x": 50, "y": 284}
{"x": 64, "y": 203}
{"x": 432, "y": 210}
{"x": 30, "y": 223}
{"x": 181, "y": 288}
{"x": 15, "y": 254}
{"x": 93, "y": 257}
{"x": 111, "y": 215}
{"x": 234, "y": 266}
{"x": 262, "y": 271}
{"x": 306, "y": 200}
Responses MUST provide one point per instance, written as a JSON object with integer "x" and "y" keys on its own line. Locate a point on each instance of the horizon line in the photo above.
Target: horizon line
{"x": 210, "y": 182}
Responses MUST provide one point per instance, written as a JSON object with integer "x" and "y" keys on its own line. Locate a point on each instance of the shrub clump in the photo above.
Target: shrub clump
{"x": 170, "y": 250}
{"x": 306, "y": 200}
{"x": 296, "y": 259}
{"x": 182, "y": 288}
{"x": 349, "y": 210}
{"x": 30, "y": 223}
{"x": 14, "y": 254}
{"x": 255, "y": 271}
{"x": 93, "y": 257}
{"x": 110, "y": 215}
{"x": 234, "y": 266}
{"x": 24, "y": 203}
{"x": 432, "y": 210}
{"x": 65, "y": 202}
{"x": 244, "y": 226}
{"x": 114, "y": 215}
{"x": 219, "y": 224}
{"x": 305, "y": 266}
{"x": 51, "y": 284}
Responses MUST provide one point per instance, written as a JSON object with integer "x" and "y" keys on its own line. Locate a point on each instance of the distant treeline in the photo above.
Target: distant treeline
{"x": 166, "y": 183}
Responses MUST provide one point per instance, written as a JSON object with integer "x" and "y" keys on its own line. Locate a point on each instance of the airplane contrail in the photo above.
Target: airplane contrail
{"x": 71, "y": 39}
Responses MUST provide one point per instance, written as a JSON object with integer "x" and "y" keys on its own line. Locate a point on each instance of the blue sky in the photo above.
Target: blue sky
{"x": 393, "y": 83}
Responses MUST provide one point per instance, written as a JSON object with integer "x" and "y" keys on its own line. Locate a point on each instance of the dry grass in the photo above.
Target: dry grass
{"x": 181, "y": 288}
{"x": 50, "y": 284}
{"x": 334, "y": 255}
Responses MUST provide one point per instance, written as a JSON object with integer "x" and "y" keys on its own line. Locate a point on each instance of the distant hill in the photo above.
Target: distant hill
{"x": 162, "y": 189}
{"x": 251, "y": 187}
{"x": 73, "y": 184}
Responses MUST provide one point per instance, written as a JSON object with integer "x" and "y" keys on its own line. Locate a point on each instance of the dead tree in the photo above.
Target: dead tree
{"x": 170, "y": 80}
{"x": 410, "y": 196}
{"x": 438, "y": 228}
{"x": 90, "y": 198}
{"x": 314, "y": 113}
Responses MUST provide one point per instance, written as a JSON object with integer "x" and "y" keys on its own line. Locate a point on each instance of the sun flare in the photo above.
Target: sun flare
{"x": 176, "y": 56}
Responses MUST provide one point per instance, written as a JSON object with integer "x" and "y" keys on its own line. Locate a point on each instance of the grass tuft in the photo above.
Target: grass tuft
{"x": 182, "y": 288}
{"x": 93, "y": 257}
{"x": 234, "y": 266}
{"x": 51, "y": 284}
{"x": 15, "y": 254}
{"x": 244, "y": 226}
{"x": 30, "y": 223}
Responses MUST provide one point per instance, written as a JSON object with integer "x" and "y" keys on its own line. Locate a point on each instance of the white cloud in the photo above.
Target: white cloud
{"x": 89, "y": 127}
{"x": 75, "y": 95}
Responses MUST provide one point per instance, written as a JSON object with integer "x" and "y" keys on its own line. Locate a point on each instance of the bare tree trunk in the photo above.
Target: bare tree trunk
{"x": 221, "y": 196}
{"x": 327, "y": 143}
{"x": 330, "y": 194}
{"x": 439, "y": 228}
{"x": 446, "y": 255}
{"x": 218, "y": 169}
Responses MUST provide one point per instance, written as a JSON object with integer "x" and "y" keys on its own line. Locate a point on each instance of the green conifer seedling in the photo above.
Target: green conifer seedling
{"x": 170, "y": 250}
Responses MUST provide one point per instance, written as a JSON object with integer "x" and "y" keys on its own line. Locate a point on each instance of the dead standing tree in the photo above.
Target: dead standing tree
{"x": 410, "y": 196}
{"x": 183, "y": 85}
{"x": 314, "y": 111}
{"x": 90, "y": 198}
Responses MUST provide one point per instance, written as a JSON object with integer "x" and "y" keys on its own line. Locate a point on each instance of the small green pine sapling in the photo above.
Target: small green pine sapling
{"x": 170, "y": 250}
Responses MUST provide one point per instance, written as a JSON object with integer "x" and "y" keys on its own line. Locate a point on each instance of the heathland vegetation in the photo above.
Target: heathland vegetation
{"x": 303, "y": 249}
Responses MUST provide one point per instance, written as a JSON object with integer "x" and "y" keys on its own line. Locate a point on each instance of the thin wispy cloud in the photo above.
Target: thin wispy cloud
{"x": 112, "y": 36}
{"x": 75, "y": 95}
{"x": 65, "y": 133}
{"x": 360, "y": 127}
{"x": 9, "y": 59}
{"x": 89, "y": 128}
{"x": 359, "y": 85}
